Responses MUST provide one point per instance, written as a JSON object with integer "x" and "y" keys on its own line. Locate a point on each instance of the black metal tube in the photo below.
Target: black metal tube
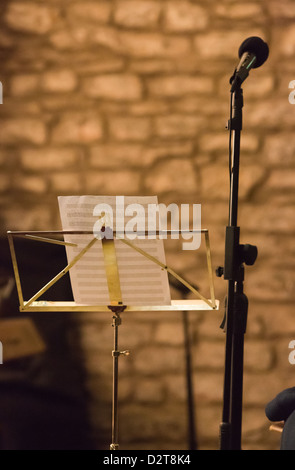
{"x": 230, "y": 428}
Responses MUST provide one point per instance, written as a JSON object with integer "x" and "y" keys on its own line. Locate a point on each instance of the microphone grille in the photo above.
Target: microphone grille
{"x": 256, "y": 46}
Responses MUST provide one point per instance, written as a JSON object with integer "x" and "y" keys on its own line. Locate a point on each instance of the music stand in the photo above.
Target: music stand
{"x": 116, "y": 305}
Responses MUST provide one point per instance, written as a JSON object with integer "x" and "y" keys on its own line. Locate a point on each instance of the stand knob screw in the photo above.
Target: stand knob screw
{"x": 249, "y": 254}
{"x": 219, "y": 271}
{"x": 125, "y": 353}
{"x": 120, "y": 353}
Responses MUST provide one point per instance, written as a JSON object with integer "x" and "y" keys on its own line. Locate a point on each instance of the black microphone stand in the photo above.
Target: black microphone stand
{"x": 236, "y": 303}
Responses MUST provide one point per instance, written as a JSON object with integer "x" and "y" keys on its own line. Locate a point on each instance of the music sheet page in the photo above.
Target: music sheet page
{"x": 143, "y": 282}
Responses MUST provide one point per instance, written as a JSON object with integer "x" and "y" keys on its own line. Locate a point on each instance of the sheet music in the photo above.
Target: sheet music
{"x": 143, "y": 282}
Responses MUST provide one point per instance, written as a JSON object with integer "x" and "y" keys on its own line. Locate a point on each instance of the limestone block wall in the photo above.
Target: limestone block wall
{"x": 132, "y": 97}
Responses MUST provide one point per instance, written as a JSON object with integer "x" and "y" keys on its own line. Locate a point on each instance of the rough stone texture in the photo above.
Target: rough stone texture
{"x": 132, "y": 97}
{"x": 30, "y": 17}
{"x": 114, "y": 87}
{"x": 184, "y": 16}
{"x": 133, "y": 14}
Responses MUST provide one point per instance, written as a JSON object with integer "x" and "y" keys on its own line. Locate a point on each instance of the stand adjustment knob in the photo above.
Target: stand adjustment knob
{"x": 125, "y": 353}
{"x": 120, "y": 353}
{"x": 249, "y": 254}
{"x": 219, "y": 271}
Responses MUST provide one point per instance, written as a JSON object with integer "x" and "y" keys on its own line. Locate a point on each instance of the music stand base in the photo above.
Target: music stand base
{"x": 114, "y": 446}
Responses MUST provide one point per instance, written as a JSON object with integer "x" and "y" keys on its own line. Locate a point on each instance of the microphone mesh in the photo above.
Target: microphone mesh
{"x": 256, "y": 46}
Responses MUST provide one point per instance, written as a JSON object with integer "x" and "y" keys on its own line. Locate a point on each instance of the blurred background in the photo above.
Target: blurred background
{"x": 131, "y": 97}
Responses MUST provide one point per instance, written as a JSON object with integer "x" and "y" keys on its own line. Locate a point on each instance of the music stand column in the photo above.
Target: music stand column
{"x": 116, "y": 354}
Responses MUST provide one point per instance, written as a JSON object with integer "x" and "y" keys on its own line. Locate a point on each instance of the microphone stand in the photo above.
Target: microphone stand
{"x": 237, "y": 303}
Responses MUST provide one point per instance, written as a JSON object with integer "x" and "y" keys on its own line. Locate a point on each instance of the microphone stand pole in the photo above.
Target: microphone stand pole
{"x": 237, "y": 303}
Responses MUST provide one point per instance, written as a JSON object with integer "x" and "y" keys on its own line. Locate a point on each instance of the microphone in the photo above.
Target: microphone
{"x": 253, "y": 52}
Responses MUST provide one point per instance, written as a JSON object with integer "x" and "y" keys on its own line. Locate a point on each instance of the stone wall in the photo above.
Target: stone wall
{"x": 132, "y": 97}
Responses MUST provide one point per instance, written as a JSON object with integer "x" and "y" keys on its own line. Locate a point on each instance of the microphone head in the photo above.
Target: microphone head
{"x": 255, "y": 45}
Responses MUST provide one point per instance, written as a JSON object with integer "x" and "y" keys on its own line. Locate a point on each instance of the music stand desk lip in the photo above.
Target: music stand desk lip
{"x": 70, "y": 306}
{"x": 140, "y": 233}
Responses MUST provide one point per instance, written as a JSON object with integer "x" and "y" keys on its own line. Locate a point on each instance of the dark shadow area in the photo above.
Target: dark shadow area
{"x": 43, "y": 400}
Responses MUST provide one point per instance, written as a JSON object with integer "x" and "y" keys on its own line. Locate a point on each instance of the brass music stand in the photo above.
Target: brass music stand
{"x": 116, "y": 305}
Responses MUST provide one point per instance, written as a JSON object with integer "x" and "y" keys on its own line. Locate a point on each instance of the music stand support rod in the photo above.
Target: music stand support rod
{"x": 116, "y": 354}
{"x": 237, "y": 302}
